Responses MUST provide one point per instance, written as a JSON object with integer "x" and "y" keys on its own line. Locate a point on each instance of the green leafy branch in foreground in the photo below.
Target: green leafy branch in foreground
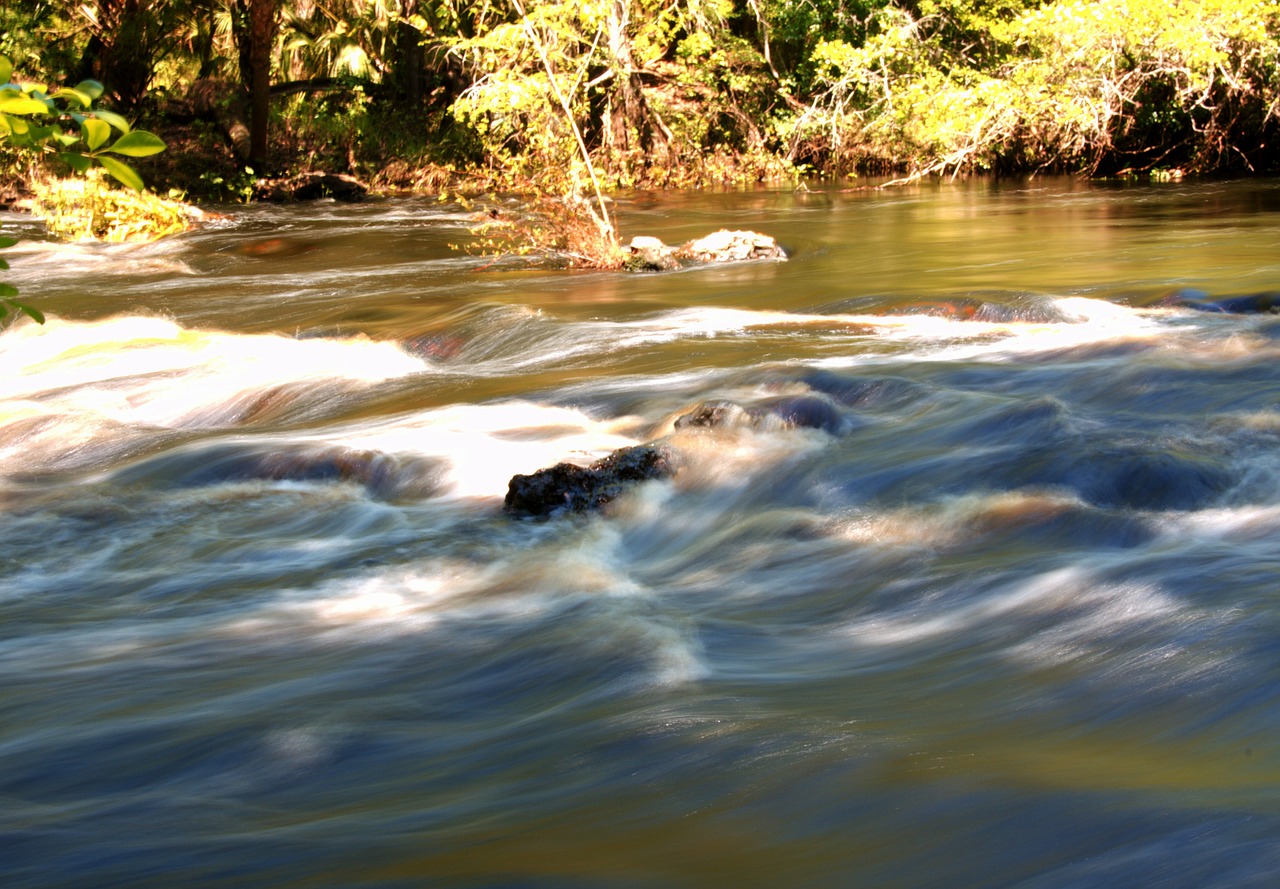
{"x": 33, "y": 119}
{"x": 8, "y": 291}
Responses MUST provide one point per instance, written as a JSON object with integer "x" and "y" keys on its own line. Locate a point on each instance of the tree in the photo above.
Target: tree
{"x": 254, "y": 24}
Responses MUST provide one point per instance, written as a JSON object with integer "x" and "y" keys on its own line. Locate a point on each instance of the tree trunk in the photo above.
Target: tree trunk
{"x": 262, "y": 33}
{"x": 123, "y": 43}
{"x": 409, "y": 58}
{"x": 632, "y": 132}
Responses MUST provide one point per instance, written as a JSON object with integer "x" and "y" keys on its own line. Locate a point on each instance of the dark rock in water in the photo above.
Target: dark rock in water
{"x": 972, "y": 309}
{"x": 276, "y": 248}
{"x": 1152, "y": 481}
{"x": 569, "y": 488}
{"x": 1266, "y": 303}
{"x": 1122, "y": 476}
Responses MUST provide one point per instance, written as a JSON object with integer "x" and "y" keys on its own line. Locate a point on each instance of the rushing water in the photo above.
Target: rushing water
{"x": 1010, "y": 618}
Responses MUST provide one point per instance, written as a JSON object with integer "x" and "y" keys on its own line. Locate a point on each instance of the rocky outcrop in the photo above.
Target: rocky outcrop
{"x": 733, "y": 246}
{"x": 569, "y": 488}
{"x": 648, "y": 254}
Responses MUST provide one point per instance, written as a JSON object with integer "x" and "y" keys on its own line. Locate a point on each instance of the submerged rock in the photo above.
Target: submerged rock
{"x": 569, "y": 488}
{"x": 384, "y": 476}
{"x": 717, "y": 415}
{"x": 1252, "y": 304}
{"x": 809, "y": 411}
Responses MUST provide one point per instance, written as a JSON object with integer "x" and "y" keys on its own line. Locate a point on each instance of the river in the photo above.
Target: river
{"x": 1009, "y": 618}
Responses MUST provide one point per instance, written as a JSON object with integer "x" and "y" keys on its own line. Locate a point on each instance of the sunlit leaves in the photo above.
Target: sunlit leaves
{"x": 122, "y": 172}
{"x": 21, "y": 104}
{"x": 96, "y": 132}
{"x": 1081, "y": 84}
{"x": 35, "y": 121}
{"x": 138, "y": 143}
{"x": 14, "y": 101}
{"x": 112, "y": 118}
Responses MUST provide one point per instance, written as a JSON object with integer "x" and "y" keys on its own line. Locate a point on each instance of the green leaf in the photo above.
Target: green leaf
{"x": 78, "y": 162}
{"x": 90, "y": 88}
{"x": 4, "y": 265}
{"x": 96, "y": 132}
{"x": 67, "y": 92}
{"x": 7, "y": 242}
{"x": 30, "y": 311}
{"x": 12, "y": 102}
{"x": 122, "y": 172}
{"x": 7, "y": 290}
{"x": 139, "y": 143}
{"x": 114, "y": 119}
{"x": 6, "y": 69}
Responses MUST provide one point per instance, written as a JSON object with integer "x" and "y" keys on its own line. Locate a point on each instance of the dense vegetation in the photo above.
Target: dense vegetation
{"x": 666, "y": 92}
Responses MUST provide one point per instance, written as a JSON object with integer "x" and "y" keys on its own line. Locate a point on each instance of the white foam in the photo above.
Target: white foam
{"x": 482, "y": 446}
{"x": 88, "y": 380}
{"x": 1069, "y": 591}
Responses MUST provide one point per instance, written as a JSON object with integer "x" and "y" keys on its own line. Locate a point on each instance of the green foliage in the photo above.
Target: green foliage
{"x": 657, "y": 87}
{"x": 65, "y": 124}
{"x": 8, "y": 294}
{"x": 35, "y": 120}
{"x": 510, "y": 104}
{"x": 85, "y": 208}
{"x": 1075, "y": 84}
{"x": 667, "y": 92}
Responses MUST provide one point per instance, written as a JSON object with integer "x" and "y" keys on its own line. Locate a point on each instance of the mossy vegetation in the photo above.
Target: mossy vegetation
{"x": 87, "y": 207}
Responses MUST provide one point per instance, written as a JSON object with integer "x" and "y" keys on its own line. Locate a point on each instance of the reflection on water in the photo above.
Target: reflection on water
{"x": 969, "y": 582}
